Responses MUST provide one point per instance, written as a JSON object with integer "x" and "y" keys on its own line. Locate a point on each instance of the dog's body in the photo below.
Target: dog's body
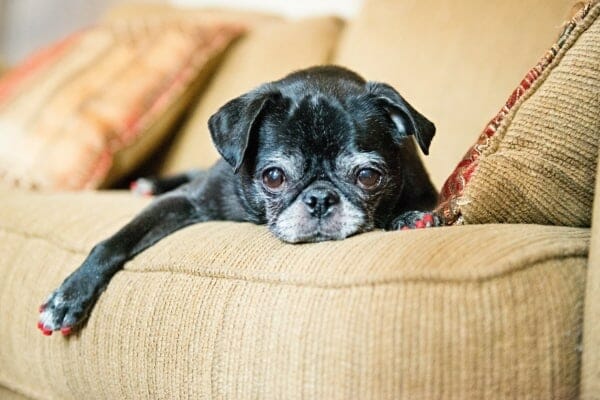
{"x": 319, "y": 155}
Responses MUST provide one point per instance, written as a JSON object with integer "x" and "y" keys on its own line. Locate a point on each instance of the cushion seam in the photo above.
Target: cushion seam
{"x": 29, "y": 235}
{"x": 534, "y": 261}
{"x": 381, "y": 282}
{"x": 23, "y": 390}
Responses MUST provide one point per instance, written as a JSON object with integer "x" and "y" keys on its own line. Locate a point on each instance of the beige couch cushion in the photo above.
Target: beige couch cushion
{"x": 265, "y": 54}
{"x": 226, "y": 310}
{"x": 454, "y": 61}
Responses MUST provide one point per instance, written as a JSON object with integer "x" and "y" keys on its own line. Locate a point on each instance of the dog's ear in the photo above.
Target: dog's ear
{"x": 232, "y": 126}
{"x": 407, "y": 120}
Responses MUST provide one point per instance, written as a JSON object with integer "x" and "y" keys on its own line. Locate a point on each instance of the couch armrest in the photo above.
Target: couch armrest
{"x": 590, "y": 369}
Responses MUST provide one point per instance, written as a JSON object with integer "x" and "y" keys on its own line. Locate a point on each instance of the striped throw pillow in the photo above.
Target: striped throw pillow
{"x": 85, "y": 111}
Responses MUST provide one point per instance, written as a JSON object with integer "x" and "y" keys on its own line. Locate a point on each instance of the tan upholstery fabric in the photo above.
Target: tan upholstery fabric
{"x": 225, "y": 310}
{"x": 265, "y": 54}
{"x": 6, "y": 394}
{"x": 536, "y": 167}
{"x": 454, "y": 61}
{"x": 590, "y": 377}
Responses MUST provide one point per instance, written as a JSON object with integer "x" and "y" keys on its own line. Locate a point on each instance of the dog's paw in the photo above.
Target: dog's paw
{"x": 415, "y": 220}
{"x": 66, "y": 308}
{"x": 143, "y": 187}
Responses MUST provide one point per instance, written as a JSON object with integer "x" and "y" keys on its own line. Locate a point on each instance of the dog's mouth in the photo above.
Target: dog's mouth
{"x": 296, "y": 225}
{"x": 311, "y": 236}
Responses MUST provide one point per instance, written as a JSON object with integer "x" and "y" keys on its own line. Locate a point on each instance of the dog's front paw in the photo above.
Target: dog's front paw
{"x": 144, "y": 187}
{"x": 415, "y": 220}
{"x": 67, "y": 307}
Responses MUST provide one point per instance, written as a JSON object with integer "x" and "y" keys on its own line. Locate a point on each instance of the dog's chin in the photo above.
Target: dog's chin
{"x": 310, "y": 236}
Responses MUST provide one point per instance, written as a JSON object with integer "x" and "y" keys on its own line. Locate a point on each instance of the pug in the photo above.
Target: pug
{"x": 319, "y": 155}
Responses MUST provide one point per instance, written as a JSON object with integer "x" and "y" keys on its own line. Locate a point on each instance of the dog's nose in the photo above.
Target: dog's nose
{"x": 319, "y": 200}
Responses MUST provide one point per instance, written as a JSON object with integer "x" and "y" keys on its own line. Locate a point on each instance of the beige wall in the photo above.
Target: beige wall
{"x": 289, "y": 8}
{"x": 25, "y": 25}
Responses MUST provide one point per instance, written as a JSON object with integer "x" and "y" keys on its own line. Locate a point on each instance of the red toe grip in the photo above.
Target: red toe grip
{"x": 419, "y": 224}
{"x": 40, "y": 326}
{"x": 66, "y": 331}
{"x": 428, "y": 219}
{"x": 47, "y": 332}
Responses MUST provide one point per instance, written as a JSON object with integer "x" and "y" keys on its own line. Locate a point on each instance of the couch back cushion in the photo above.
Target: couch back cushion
{"x": 266, "y": 53}
{"x": 454, "y": 61}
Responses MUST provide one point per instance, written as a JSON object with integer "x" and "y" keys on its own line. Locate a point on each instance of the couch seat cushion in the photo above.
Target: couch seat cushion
{"x": 226, "y": 310}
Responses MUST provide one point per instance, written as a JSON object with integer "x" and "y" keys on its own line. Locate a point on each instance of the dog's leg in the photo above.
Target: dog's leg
{"x": 152, "y": 186}
{"x": 68, "y": 306}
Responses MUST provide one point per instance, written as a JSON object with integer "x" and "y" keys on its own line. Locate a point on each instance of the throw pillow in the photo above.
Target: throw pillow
{"x": 87, "y": 110}
{"x": 535, "y": 162}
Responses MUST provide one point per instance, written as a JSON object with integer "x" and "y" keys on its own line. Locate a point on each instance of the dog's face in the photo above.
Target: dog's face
{"x": 321, "y": 157}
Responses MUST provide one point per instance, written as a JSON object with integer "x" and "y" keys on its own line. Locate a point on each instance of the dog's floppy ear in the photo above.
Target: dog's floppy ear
{"x": 233, "y": 124}
{"x": 407, "y": 120}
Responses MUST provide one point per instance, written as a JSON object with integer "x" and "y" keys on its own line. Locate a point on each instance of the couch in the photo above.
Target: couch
{"x": 225, "y": 310}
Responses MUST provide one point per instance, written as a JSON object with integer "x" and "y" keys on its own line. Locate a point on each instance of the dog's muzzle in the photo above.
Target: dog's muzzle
{"x": 319, "y": 213}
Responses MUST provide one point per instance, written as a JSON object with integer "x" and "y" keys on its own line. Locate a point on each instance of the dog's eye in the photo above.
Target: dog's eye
{"x": 368, "y": 178}
{"x": 273, "y": 178}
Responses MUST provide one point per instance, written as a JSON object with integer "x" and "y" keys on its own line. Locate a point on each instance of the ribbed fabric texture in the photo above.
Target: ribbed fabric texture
{"x": 532, "y": 164}
{"x": 225, "y": 310}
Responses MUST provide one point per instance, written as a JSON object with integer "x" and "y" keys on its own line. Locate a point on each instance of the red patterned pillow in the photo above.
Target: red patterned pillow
{"x": 535, "y": 161}
{"x": 85, "y": 111}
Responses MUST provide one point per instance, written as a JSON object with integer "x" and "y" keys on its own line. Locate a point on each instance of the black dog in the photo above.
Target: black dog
{"x": 318, "y": 155}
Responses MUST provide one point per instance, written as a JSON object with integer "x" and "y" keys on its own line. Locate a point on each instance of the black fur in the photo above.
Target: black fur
{"x": 321, "y": 127}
